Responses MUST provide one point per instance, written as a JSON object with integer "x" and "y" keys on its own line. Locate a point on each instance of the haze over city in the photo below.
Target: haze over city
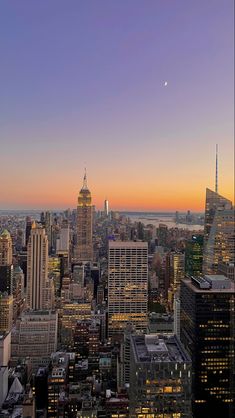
{"x": 83, "y": 84}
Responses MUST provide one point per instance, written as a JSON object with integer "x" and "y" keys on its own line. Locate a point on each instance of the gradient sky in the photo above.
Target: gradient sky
{"x": 82, "y": 84}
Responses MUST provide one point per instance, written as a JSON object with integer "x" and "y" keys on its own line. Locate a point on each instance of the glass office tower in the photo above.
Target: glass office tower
{"x": 207, "y": 332}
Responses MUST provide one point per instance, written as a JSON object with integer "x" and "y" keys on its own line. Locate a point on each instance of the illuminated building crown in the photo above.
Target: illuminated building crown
{"x": 84, "y": 198}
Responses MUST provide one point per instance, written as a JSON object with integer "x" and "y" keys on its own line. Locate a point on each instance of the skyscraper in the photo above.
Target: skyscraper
{"x": 62, "y": 242}
{"x": 27, "y": 229}
{"x": 106, "y": 208}
{"x": 84, "y": 224}
{"x": 207, "y": 332}
{"x": 219, "y": 233}
{"x": 177, "y": 266}
{"x": 127, "y": 286}
{"x": 214, "y": 201}
{"x": 6, "y": 267}
{"x": 6, "y": 312}
{"x": 5, "y": 248}
{"x": 39, "y": 291}
{"x": 194, "y": 255}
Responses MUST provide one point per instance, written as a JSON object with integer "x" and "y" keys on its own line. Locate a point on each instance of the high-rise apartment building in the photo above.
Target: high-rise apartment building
{"x": 207, "y": 332}
{"x": 160, "y": 377}
{"x": 219, "y": 234}
{"x": 127, "y": 286}
{"x": 84, "y": 224}
{"x": 39, "y": 288}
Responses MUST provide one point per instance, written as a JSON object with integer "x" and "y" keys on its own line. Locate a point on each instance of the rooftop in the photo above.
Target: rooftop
{"x": 128, "y": 244}
{"x": 155, "y": 348}
{"x": 214, "y": 283}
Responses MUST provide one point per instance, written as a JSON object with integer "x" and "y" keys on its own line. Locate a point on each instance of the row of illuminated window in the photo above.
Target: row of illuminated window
{"x": 174, "y": 415}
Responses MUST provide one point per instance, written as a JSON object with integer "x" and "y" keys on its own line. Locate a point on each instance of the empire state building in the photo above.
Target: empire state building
{"x": 84, "y": 224}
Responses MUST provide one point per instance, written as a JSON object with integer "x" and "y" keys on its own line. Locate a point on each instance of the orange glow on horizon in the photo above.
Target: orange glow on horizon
{"x": 123, "y": 200}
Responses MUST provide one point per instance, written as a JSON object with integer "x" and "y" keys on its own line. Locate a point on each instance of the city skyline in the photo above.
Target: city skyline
{"x": 74, "y": 97}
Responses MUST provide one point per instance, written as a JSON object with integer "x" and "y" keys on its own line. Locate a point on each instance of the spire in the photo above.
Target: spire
{"x": 216, "y": 170}
{"x": 34, "y": 225}
{"x": 84, "y": 186}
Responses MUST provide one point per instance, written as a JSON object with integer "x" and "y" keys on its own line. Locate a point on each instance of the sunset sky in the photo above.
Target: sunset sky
{"x": 82, "y": 85}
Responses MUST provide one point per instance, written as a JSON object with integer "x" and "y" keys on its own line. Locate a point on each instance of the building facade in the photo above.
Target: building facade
{"x": 207, "y": 332}
{"x": 219, "y": 235}
{"x": 127, "y": 286}
{"x": 6, "y": 267}
{"x": 6, "y": 312}
{"x": 84, "y": 224}
{"x": 160, "y": 377}
{"x": 194, "y": 255}
{"x": 5, "y": 248}
{"x": 39, "y": 288}
{"x": 35, "y": 336}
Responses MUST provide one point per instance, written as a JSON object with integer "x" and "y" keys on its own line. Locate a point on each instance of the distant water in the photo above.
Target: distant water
{"x": 146, "y": 218}
{"x": 161, "y": 218}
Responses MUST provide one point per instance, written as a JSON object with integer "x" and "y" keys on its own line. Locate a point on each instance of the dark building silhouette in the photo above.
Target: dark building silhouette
{"x": 207, "y": 332}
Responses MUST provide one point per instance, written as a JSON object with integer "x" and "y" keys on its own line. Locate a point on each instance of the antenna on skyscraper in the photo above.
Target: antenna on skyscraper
{"x": 216, "y": 170}
{"x": 85, "y": 180}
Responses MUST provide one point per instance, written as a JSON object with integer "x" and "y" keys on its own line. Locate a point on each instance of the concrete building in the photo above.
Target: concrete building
{"x": 5, "y": 248}
{"x": 5, "y": 348}
{"x": 177, "y": 315}
{"x": 18, "y": 292}
{"x": 69, "y": 314}
{"x": 207, "y": 332}
{"x": 79, "y": 273}
{"x": 62, "y": 242}
{"x": 160, "y": 377}
{"x": 57, "y": 385}
{"x": 177, "y": 266}
{"x": 6, "y": 268}
{"x": 227, "y": 270}
{"x": 35, "y": 336}
{"x": 3, "y": 384}
{"x": 39, "y": 288}
{"x": 6, "y": 312}
{"x": 127, "y": 286}
{"x": 28, "y": 405}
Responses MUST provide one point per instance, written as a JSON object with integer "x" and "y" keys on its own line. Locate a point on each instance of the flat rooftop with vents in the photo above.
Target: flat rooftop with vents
{"x": 155, "y": 348}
